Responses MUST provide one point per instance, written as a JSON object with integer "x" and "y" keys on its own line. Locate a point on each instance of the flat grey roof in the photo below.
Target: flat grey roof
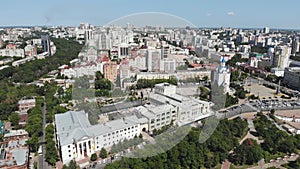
{"x": 73, "y": 126}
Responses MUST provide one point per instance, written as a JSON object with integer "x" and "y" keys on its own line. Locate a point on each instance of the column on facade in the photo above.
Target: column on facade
{"x": 87, "y": 148}
{"x": 82, "y": 150}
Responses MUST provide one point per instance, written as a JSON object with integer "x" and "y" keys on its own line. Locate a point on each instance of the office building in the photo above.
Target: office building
{"x": 45, "y": 40}
{"x": 295, "y": 45}
{"x": 153, "y": 60}
{"x": 281, "y": 56}
{"x": 292, "y": 77}
{"x": 266, "y": 30}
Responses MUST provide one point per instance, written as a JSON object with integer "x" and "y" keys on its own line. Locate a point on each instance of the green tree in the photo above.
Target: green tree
{"x": 103, "y": 153}
{"x": 14, "y": 118}
{"x": 94, "y": 157}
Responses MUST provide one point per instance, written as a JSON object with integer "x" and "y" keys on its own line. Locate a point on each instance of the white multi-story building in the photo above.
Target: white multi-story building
{"x": 222, "y": 76}
{"x": 188, "y": 109}
{"x": 78, "y": 139}
{"x": 168, "y": 65}
{"x": 153, "y": 60}
{"x": 79, "y": 71}
{"x": 281, "y": 56}
{"x": 12, "y": 52}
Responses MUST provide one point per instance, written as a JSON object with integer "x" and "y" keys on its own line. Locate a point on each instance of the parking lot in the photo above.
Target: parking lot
{"x": 277, "y": 104}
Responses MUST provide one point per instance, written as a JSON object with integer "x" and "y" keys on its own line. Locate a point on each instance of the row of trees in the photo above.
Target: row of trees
{"x": 103, "y": 154}
{"x": 66, "y": 51}
{"x": 34, "y": 125}
{"x": 189, "y": 153}
{"x": 150, "y": 83}
{"x": 51, "y": 151}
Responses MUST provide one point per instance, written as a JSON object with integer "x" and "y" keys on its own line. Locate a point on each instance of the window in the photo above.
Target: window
{"x": 69, "y": 146}
{"x": 70, "y": 155}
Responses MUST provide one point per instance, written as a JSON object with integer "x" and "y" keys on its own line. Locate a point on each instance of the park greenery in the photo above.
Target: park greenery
{"x": 249, "y": 153}
{"x": 235, "y": 59}
{"x": 67, "y": 50}
{"x": 238, "y": 76}
{"x": 12, "y": 90}
{"x": 189, "y": 153}
{"x": 231, "y": 100}
{"x": 240, "y": 92}
{"x": 275, "y": 140}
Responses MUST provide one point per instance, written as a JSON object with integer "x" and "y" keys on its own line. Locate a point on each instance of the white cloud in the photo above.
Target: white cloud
{"x": 230, "y": 13}
{"x": 208, "y": 14}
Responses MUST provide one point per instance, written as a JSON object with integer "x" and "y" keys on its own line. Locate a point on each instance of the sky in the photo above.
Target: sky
{"x": 201, "y": 13}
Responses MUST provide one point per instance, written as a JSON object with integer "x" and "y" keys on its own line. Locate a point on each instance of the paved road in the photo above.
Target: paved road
{"x": 277, "y": 163}
{"x": 41, "y": 162}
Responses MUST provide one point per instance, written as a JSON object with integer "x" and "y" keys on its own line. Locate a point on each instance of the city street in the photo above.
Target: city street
{"x": 42, "y": 164}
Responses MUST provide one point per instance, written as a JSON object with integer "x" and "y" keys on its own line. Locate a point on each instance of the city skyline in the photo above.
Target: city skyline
{"x": 201, "y": 14}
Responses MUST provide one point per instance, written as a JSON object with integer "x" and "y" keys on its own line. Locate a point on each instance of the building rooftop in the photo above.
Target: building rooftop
{"x": 26, "y": 101}
{"x": 14, "y": 133}
{"x": 73, "y": 126}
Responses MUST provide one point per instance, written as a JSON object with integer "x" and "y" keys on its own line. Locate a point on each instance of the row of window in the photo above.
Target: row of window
{"x": 116, "y": 132}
